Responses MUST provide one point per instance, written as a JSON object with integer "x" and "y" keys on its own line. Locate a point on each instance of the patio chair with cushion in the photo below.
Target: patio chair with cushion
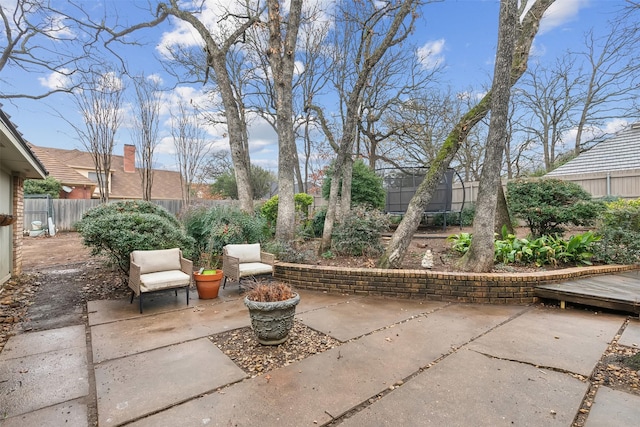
{"x": 245, "y": 260}
{"x": 157, "y": 270}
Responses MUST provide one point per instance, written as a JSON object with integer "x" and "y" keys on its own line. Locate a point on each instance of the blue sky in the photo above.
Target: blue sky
{"x": 460, "y": 35}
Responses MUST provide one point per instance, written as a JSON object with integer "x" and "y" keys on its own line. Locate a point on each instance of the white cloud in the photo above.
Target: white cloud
{"x": 561, "y": 12}
{"x": 591, "y": 132}
{"x": 182, "y": 35}
{"x": 59, "y": 29}
{"x": 431, "y": 54}
{"x": 156, "y": 78}
{"x": 538, "y": 50}
{"x": 218, "y": 16}
{"x": 56, "y": 80}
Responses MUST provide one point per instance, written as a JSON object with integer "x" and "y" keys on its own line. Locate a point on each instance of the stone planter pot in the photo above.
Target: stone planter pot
{"x": 208, "y": 284}
{"x": 272, "y": 321}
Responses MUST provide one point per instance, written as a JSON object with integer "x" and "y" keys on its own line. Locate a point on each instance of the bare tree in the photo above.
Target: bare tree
{"x": 398, "y": 76}
{"x": 218, "y": 41}
{"x": 191, "y": 145}
{"x": 99, "y": 104}
{"x": 39, "y": 39}
{"x": 525, "y": 32}
{"x": 146, "y": 119}
{"x": 479, "y": 257}
{"x": 612, "y": 77}
{"x": 548, "y": 98}
{"x": 377, "y": 28}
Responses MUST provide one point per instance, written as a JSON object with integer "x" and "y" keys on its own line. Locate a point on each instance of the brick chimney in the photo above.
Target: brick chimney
{"x": 129, "y": 158}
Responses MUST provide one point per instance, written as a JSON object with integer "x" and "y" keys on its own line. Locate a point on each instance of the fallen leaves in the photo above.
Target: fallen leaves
{"x": 241, "y": 346}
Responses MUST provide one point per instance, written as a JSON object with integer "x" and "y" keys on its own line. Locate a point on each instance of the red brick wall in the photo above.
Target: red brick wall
{"x": 18, "y": 226}
{"x": 489, "y": 288}
{"x": 129, "y": 158}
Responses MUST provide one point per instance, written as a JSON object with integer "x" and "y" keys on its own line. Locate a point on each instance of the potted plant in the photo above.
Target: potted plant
{"x": 271, "y": 308}
{"x": 208, "y": 277}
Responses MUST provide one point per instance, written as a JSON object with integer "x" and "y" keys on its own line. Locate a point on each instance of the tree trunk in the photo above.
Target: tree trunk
{"x": 503, "y": 217}
{"x": 345, "y": 192}
{"x": 479, "y": 257}
{"x": 236, "y": 126}
{"x": 397, "y": 247}
{"x": 237, "y": 133}
{"x": 281, "y": 58}
{"x": 349, "y": 131}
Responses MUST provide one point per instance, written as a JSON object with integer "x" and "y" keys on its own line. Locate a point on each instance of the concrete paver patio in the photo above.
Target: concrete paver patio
{"x": 400, "y": 363}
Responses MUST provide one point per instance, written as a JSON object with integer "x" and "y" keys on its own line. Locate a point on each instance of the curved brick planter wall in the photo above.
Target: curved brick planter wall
{"x": 493, "y": 288}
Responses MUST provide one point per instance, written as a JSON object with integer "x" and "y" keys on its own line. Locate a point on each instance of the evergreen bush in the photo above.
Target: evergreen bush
{"x": 619, "y": 227}
{"x": 360, "y": 232}
{"x": 366, "y": 186}
{"x": 548, "y": 204}
{"x": 114, "y": 230}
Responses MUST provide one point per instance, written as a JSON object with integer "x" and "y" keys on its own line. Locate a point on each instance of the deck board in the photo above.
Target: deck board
{"x": 615, "y": 291}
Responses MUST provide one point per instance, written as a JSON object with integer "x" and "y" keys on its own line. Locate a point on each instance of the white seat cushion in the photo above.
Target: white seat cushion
{"x": 158, "y": 260}
{"x": 254, "y": 268}
{"x": 244, "y": 252}
{"x": 163, "y": 280}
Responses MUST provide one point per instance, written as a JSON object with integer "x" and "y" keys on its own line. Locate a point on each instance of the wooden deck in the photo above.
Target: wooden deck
{"x": 616, "y": 292}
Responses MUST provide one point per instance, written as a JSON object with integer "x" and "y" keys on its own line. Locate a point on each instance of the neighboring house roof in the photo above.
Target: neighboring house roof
{"x": 58, "y": 169}
{"x": 620, "y": 152}
{"x": 124, "y": 185}
{"x": 15, "y": 155}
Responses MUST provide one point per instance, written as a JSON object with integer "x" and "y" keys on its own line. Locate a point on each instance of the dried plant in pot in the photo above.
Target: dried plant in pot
{"x": 272, "y": 308}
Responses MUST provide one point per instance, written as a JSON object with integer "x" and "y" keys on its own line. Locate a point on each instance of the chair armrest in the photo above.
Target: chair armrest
{"x": 267, "y": 258}
{"x": 134, "y": 277}
{"x": 231, "y": 267}
{"x": 186, "y": 266}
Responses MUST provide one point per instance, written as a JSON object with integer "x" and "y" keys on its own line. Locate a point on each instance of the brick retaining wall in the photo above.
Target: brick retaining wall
{"x": 487, "y": 288}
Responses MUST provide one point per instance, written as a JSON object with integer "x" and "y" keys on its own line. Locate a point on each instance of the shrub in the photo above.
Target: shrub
{"x": 619, "y": 227}
{"x": 115, "y": 230}
{"x": 547, "y": 204}
{"x": 261, "y": 179}
{"x": 366, "y": 186}
{"x": 49, "y": 185}
{"x": 318, "y": 221}
{"x": 302, "y": 201}
{"x": 195, "y": 222}
{"x": 288, "y": 253}
{"x": 359, "y": 233}
{"x": 213, "y": 228}
{"x": 454, "y": 218}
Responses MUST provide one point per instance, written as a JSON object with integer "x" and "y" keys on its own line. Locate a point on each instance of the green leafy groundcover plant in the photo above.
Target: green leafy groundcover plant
{"x": 114, "y": 230}
{"x": 544, "y": 250}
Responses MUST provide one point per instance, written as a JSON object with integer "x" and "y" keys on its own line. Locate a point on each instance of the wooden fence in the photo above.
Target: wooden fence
{"x": 624, "y": 183}
{"x": 66, "y": 212}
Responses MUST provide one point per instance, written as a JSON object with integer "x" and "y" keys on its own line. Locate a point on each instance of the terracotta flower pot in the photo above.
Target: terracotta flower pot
{"x": 272, "y": 321}
{"x": 208, "y": 283}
